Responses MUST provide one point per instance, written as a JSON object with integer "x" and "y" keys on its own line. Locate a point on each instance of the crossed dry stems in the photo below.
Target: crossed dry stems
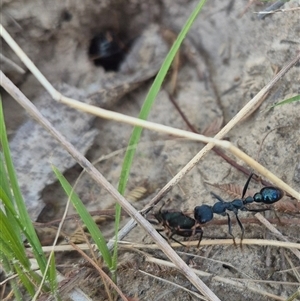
{"x": 99, "y": 178}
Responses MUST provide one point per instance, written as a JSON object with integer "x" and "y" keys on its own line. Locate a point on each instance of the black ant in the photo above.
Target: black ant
{"x": 176, "y": 222}
{"x": 267, "y": 195}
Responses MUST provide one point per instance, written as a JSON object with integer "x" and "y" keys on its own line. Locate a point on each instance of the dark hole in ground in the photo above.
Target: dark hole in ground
{"x": 107, "y": 50}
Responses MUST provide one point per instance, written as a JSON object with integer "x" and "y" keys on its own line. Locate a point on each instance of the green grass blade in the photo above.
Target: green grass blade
{"x": 10, "y": 168}
{"x": 16, "y": 259}
{"x": 14, "y": 252}
{"x": 16, "y": 249}
{"x": 25, "y": 280}
{"x": 5, "y": 192}
{"x": 52, "y": 274}
{"x": 7, "y": 268}
{"x": 15, "y": 221}
{"x": 150, "y": 98}
{"x": 10, "y": 211}
{"x": 286, "y": 101}
{"x": 135, "y": 136}
{"x": 4, "y": 178}
{"x": 18, "y": 199}
{"x": 13, "y": 217}
{"x": 86, "y": 217}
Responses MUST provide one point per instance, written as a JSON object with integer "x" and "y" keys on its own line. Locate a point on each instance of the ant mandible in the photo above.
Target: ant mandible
{"x": 267, "y": 195}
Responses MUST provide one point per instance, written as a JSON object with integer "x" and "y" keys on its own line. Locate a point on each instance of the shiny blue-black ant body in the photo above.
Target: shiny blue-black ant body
{"x": 267, "y": 195}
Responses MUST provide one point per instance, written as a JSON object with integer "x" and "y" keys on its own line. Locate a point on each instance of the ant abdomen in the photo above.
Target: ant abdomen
{"x": 268, "y": 195}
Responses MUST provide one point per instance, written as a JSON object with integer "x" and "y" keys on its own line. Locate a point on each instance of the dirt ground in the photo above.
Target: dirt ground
{"x": 228, "y": 56}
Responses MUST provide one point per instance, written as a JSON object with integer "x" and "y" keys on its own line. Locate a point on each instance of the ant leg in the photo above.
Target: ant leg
{"x": 161, "y": 230}
{"x": 163, "y": 204}
{"x": 200, "y": 238}
{"x": 171, "y": 237}
{"x": 242, "y": 228}
{"x": 246, "y": 185}
{"x": 229, "y": 228}
{"x": 217, "y": 197}
{"x": 193, "y": 229}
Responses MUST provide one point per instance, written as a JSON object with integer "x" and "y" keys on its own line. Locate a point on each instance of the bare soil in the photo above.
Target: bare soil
{"x": 229, "y": 55}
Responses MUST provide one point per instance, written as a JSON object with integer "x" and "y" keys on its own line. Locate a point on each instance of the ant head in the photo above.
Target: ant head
{"x": 203, "y": 214}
